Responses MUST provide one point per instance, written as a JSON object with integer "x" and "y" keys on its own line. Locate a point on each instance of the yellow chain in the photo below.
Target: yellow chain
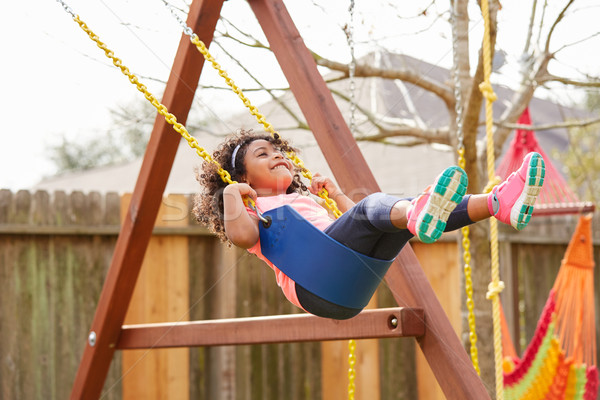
{"x": 466, "y": 244}
{"x": 180, "y": 128}
{"x": 330, "y": 203}
{"x": 351, "y": 369}
{"x": 193, "y": 143}
{"x": 162, "y": 110}
{"x": 351, "y": 70}
{"x": 496, "y": 285}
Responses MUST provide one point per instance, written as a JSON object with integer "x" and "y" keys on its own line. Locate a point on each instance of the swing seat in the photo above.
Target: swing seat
{"x": 317, "y": 262}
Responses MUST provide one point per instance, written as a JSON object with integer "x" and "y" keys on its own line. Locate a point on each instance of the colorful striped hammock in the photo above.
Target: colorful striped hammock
{"x": 560, "y": 361}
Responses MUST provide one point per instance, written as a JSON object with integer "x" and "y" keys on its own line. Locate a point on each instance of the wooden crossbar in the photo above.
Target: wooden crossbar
{"x": 370, "y": 324}
{"x": 564, "y": 208}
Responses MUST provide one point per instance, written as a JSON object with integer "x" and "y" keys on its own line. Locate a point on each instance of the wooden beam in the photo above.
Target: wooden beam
{"x": 440, "y": 344}
{"x": 379, "y": 323}
{"x": 137, "y": 226}
{"x": 315, "y": 100}
{"x": 563, "y": 209}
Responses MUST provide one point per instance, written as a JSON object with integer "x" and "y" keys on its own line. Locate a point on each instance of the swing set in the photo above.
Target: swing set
{"x": 440, "y": 345}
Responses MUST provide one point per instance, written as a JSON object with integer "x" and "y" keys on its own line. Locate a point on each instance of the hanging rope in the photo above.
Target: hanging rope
{"x": 496, "y": 286}
{"x": 466, "y": 242}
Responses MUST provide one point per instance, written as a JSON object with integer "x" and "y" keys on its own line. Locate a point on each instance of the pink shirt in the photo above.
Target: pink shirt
{"x": 309, "y": 209}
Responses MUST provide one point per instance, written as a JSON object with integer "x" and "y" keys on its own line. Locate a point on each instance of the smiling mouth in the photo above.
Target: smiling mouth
{"x": 281, "y": 166}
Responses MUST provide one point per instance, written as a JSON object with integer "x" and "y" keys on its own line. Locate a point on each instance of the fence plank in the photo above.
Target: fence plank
{"x": 222, "y": 379}
{"x": 539, "y": 265}
{"x": 6, "y": 199}
{"x": 22, "y": 208}
{"x": 49, "y": 288}
{"x": 13, "y": 348}
{"x": 397, "y": 359}
{"x": 440, "y": 265}
{"x": 160, "y": 295}
{"x": 201, "y": 261}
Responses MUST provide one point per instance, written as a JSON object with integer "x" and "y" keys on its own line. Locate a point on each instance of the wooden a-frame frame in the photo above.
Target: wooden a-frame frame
{"x": 436, "y": 337}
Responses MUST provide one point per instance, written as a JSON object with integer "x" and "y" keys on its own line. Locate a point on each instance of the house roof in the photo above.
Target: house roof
{"x": 403, "y": 171}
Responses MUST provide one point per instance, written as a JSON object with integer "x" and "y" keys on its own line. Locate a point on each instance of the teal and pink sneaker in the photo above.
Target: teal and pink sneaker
{"x": 429, "y": 211}
{"x": 512, "y": 201}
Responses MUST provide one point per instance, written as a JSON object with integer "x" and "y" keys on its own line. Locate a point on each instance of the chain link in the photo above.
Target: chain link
{"x": 473, "y": 351}
{"x": 351, "y": 369}
{"x": 180, "y": 128}
{"x": 458, "y": 107}
{"x": 466, "y": 242}
{"x": 329, "y": 203}
{"x": 67, "y": 8}
{"x": 162, "y": 109}
{"x": 186, "y": 29}
{"x": 352, "y": 126}
{"x": 352, "y": 68}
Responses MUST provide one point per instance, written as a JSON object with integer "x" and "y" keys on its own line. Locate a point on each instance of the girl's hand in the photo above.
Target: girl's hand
{"x": 243, "y": 189}
{"x": 319, "y": 182}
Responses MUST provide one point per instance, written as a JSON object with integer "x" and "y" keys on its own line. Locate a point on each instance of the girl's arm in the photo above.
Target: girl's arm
{"x": 241, "y": 228}
{"x": 319, "y": 182}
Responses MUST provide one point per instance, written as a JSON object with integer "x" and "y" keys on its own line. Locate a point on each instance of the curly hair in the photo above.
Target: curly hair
{"x": 208, "y": 204}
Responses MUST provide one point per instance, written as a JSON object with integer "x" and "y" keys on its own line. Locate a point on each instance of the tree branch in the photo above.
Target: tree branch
{"x": 530, "y": 28}
{"x": 408, "y": 143}
{"x": 567, "y": 81}
{"x": 577, "y": 42}
{"x": 425, "y": 135}
{"x": 276, "y": 99}
{"x": 560, "y": 16}
{"x": 418, "y": 79}
{"x": 545, "y": 127}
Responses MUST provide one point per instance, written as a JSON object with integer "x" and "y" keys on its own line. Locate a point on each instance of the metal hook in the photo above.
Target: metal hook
{"x": 266, "y": 221}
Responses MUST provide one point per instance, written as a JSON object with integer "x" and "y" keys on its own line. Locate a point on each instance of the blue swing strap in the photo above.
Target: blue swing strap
{"x": 317, "y": 262}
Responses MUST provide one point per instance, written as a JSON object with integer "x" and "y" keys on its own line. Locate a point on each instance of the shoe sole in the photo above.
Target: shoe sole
{"x": 446, "y": 194}
{"x": 521, "y": 212}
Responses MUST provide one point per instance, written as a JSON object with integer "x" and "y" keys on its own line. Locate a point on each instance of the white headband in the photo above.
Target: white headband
{"x": 235, "y": 151}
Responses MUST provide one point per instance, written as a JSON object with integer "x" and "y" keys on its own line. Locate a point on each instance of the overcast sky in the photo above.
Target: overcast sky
{"x": 54, "y": 81}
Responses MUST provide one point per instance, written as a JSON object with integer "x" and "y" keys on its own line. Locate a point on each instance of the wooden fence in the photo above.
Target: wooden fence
{"x": 54, "y": 253}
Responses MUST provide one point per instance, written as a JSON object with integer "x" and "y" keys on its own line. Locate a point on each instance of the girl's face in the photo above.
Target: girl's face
{"x": 268, "y": 171}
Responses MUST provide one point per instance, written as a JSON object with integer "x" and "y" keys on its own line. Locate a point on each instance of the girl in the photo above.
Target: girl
{"x": 378, "y": 226}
